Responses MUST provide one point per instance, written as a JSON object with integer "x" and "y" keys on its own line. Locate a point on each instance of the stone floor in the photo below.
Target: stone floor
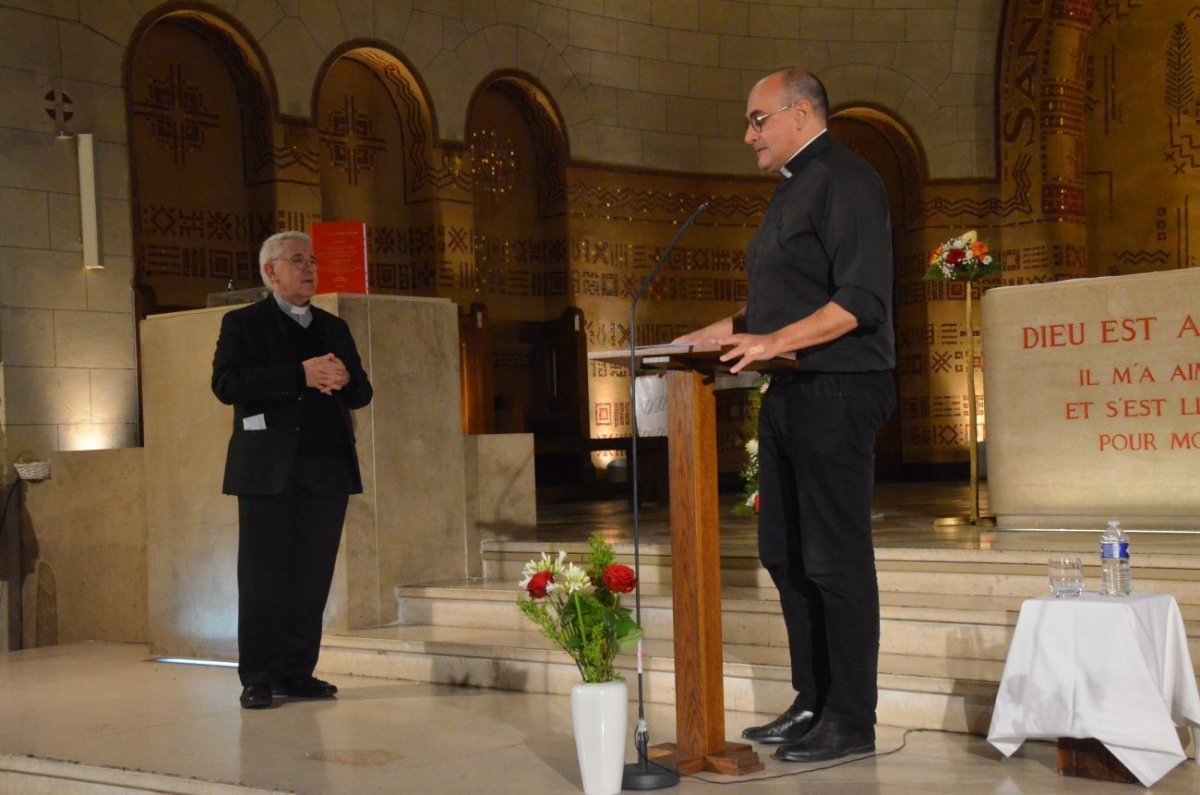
{"x": 105, "y": 718}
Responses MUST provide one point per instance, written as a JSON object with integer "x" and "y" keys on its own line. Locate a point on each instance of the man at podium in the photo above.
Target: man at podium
{"x": 820, "y": 285}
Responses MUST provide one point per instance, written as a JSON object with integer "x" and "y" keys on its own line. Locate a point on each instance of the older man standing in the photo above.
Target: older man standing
{"x": 293, "y": 375}
{"x": 820, "y": 274}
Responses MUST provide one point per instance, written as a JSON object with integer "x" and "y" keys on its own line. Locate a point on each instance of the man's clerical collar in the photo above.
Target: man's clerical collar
{"x": 787, "y": 174}
{"x": 301, "y": 314}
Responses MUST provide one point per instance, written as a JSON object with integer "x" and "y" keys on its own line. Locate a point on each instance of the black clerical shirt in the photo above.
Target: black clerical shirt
{"x": 826, "y": 236}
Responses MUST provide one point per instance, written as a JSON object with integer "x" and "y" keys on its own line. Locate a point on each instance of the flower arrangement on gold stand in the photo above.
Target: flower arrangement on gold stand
{"x": 965, "y": 258}
{"x": 579, "y": 608}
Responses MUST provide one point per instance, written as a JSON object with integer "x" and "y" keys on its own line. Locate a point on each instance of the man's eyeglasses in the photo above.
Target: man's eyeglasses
{"x": 300, "y": 262}
{"x": 756, "y": 120}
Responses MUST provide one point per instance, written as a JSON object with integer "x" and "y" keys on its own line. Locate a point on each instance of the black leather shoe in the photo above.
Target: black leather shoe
{"x": 787, "y": 728}
{"x": 305, "y": 687}
{"x": 828, "y": 739}
{"x": 257, "y": 696}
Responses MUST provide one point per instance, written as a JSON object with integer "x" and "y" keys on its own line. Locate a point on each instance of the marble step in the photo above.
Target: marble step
{"x": 915, "y": 691}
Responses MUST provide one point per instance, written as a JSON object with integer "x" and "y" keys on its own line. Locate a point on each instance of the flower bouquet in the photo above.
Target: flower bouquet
{"x": 579, "y": 607}
{"x": 961, "y": 259}
{"x": 749, "y": 473}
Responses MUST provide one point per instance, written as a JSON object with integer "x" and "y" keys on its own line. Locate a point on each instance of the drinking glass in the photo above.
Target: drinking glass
{"x": 1066, "y": 576}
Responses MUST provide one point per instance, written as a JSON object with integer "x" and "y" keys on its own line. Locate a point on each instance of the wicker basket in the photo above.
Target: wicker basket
{"x": 32, "y": 470}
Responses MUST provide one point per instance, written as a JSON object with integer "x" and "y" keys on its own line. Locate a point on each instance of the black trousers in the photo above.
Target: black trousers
{"x": 287, "y": 547}
{"x": 816, "y": 476}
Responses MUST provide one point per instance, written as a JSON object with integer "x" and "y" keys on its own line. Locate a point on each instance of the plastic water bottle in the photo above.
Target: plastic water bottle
{"x": 1114, "y": 561}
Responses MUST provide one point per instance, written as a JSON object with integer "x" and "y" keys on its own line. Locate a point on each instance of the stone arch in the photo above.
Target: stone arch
{"x": 200, "y": 100}
{"x": 895, "y": 152}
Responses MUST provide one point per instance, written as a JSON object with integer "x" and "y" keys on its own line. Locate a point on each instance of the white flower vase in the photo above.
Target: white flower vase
{"x": 599, "y": 713}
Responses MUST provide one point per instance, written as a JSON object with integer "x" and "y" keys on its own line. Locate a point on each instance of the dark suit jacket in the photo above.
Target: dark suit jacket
{"x": 257, "y": 370}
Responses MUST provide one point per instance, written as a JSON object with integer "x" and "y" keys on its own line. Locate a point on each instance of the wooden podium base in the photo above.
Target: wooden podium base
{"x": 737, "y": 759}
{"x": 1088, "y": 758}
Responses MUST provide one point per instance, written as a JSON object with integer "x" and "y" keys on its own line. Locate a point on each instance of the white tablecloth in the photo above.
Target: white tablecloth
{"x": 1116, "y": 669}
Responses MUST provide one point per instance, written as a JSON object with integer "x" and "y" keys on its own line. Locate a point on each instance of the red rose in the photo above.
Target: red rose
{"x": 955, "y": 256}
{"x": 619, "y": 578}
{"x": 538, "y": 584}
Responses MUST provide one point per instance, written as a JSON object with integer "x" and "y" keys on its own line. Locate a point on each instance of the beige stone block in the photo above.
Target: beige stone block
{"x": 23, "y": 108}
{"x": 114, "y": 21}
{"x": 64, "y": 222}
{"x": 260, "y": 18}
{"x": 592, "y": 31}
{"x": 746, "y": 52}
{"x": 725, "y": 156}
{"x": 29, "y": 41}
{"x": 965, "y": 89}
{"x": 692, "y": 47}
{"x": 731, "y": 118}
{"x": 89, "y": 523}
{"x": 99, "y": 110}
{"x": 97, "y": 436}
{"x": 500, "y": 490}
{"x": 705, "y": 82}
{"x": 671, "y": 151}
{"x": 555, "y": 73}
{"x": 627, "y": 10}
{"x": 810, "y": 55}
{"x": 774, "y": 22}
{"x": 876, "y": 25}
{"x": 324, "y": 24}
{"x": 93, "y": 339}
{"x": 643, "y": 41}
{"x": 583, "y": 142}
{"x": 979, "y": 15}
{"x": 110, "y": 289}
{"x": 854, "y": 52}
{"x": 42, "y": 279}
{"x": 423, "y": 38}
{"x": 116, "y": 228}
{"x": 580, "y": 62}
{"x": 531, "y": 51}
{"x": 27, "y": 336}
{"x": 26, "y": 217}
{"x": 984, "y": 157}
{"x": 826, "y": 24}
{"x": 951, "y": 160}
{"x": 891, "y": 87}
{"x": 676, "y": 14}
{"x": 443, "y": 78}
{"x": 357, "y": 18}
{"x": 918, "y": 107}
{"x": 62, "y": 9}
{"x": 642, "y": 111}
{"x": 114, "y": 396}
{"x": 850, "y": 83}
{"x": 697, "y": 116}
{"x": 454, "y": 33}
{"x": 502, "y": 41}
{"x": 974, "y": 52}
{"x": 517, "y": 13}
{"x": 36, "y": 442}
{"x": 47, "y": 395}
{"x": 553, "y": 24}
{"x": 619, "y": 144}
{"x": 574, "y": 104}
{"x": 618, "y": 71}
{"x": 927, "y": 66}
{"x": 294, "y": 56}
{"x": 36, "y": 161}
{"x": 391, "y": 19}
{"x": 602, "y": 101}
{"x": 112, "y": 170}
{"x": 723, "y": 16}
{"x": 89, "y": 56}
{"x": 1093, "y": 411}
{"x": 476, "y": 56}
{"x": 930, "y": 24}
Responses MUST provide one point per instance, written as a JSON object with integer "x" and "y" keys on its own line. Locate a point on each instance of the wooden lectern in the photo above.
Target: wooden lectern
{"x": 695, "y": 558}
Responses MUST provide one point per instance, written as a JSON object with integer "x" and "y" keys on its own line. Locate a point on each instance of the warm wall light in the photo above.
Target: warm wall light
{"x": 89, "y": 227}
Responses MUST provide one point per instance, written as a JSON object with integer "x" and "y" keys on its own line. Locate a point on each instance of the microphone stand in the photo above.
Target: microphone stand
{"x": 643, "y": 774}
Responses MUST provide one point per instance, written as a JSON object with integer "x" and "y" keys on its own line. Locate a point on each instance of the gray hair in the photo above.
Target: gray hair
{"x": 272, "y": 247}
{"x": 800, "y": 84}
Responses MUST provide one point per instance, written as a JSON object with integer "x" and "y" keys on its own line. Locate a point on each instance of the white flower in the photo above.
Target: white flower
{"x": 752, "y": 447}
{"x": 750, "y": 500}
{"x": 552, "y": 565}
{"x": 573, "y": 579}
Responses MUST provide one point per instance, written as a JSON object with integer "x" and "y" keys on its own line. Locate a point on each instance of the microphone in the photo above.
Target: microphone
{"x": 640, "y": 775}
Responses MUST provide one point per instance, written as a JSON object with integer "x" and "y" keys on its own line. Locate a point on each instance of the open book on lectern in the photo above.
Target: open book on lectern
{"x": 684, "y": 356}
